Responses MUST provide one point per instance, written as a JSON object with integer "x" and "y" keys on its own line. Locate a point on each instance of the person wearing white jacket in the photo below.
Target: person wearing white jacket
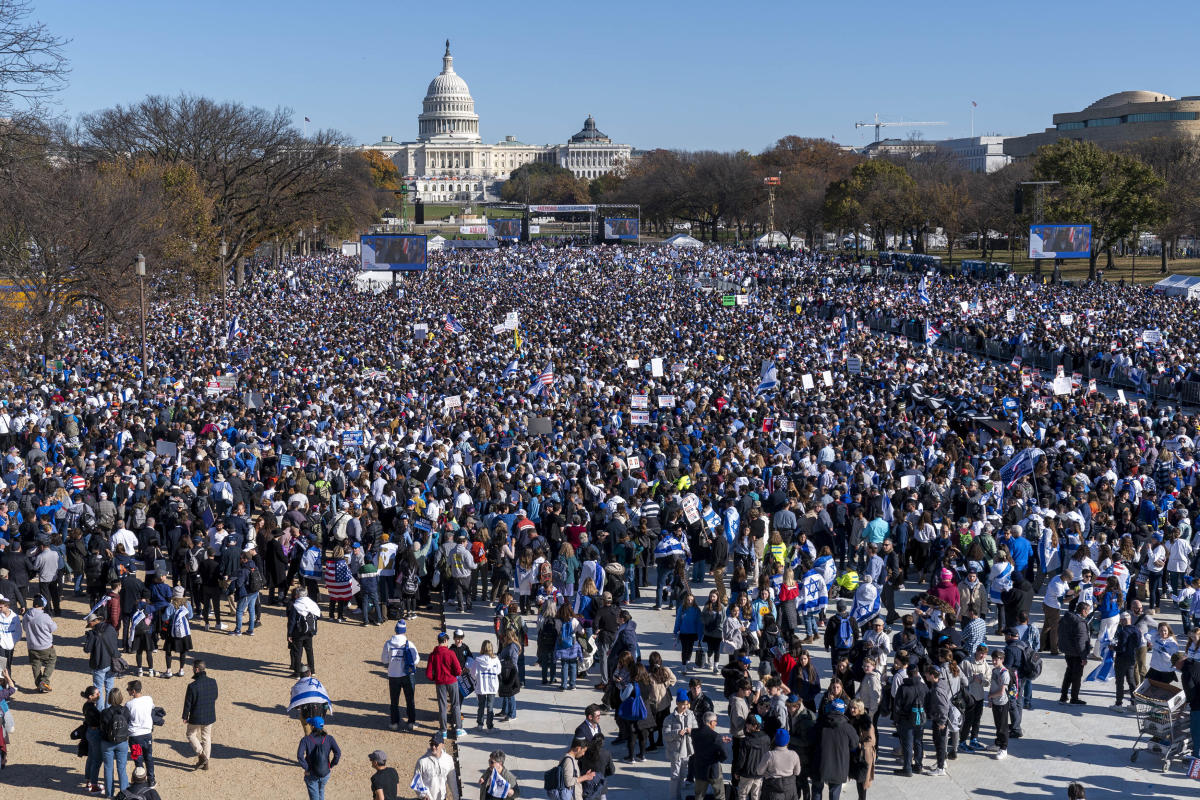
{"x": 402, "y": 658}
{"x": 485, "y": 669}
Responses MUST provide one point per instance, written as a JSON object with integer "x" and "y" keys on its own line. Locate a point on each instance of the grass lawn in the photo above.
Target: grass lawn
{"x": 1144, "y": 269}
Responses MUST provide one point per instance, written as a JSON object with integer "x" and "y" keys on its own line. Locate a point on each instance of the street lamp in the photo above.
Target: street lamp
{"x": 224, "y": 301}
{"x": 141, "y": 273}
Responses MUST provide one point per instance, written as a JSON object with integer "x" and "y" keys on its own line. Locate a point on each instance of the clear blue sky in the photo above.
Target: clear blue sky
{"x": 697, "y": 75}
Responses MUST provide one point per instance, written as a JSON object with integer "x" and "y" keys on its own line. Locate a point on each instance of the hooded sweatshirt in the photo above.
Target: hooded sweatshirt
{"x": 394, "y": 650}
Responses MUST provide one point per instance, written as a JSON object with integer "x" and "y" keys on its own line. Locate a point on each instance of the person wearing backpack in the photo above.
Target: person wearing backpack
{"x": 114, "y": 741}
{"x": 565, "y": 781}
{"x": 302, "y": 616}
{"x": 401, "y": 657}
{"x": 248, "y": 583}
{"x": 566, "y": 648}
{"x": 908, "y": 712}
{"x": 1031, "y": 637}
{"x": 1017, "y": 662}
{"x": 318, "y": 753}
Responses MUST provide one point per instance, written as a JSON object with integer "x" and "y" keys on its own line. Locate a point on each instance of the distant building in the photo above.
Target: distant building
{"x": 898, "y": 148}
{"x": 978, "y": 153}
{"x": 1116, "y": 120}
{"x": 450, "y": 163}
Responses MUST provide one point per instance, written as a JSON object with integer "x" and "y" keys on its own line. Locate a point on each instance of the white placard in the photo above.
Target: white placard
{"x": 692, "y": 515}
{"x": 633, "y": 462}
{"x": 1066, "y": 319}
{"x": 640, "y": 417}
{"x": 1062, "y": 386}
{"x": 656, "y": 367}
{"x": 1027, "y": 430}
{"x": 453, "y": 401}
{"x": 498, "y": 329}
{"x": 633, "y": 363}
{"x": 787, "y": 425}
{"x": 639, "y": 401}
{"x": 806, "y": 380}
{"x": 827, "y": 378}
{"x": 1151, "y": 336}
{"x": 854, "y": 365}
{"x": 1121, "y": 397}
{"x": 666, "y": 401}
{"x": 743, "y": 299}
{"x": 512, "y": 320}
{"x": 1011, "y": 315}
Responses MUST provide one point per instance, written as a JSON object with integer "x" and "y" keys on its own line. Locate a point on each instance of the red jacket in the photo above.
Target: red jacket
{"x": 443, "y": 667}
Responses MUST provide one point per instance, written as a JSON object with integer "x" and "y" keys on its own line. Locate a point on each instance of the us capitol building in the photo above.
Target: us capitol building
{"x": 450, "y": 163}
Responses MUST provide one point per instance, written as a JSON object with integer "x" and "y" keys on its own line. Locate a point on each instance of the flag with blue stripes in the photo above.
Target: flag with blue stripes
{"x": 451, "y": 325}
{"x": 510, "y": 370}
{"x": 497, "y": 786}
{"x": 417, "y": 784}
{"x": 309, "y": 690}
{"x": 931, "y": 333}
{"x": 923, "y": 289}
{"x": 768, "y": 378}
{"x": 235, "y": 330}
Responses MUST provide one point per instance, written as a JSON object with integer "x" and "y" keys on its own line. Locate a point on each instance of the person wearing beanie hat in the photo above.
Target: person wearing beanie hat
{"x": 401, "y": 658}
{"x": 783, "y": 768}
{"x": 318, "y": 754}
{"x": 677, "y": 736}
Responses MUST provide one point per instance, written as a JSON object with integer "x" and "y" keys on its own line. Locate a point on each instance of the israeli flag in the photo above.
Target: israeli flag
{"x": 923, "y": 290}
{"x": 768, "y": 378}
{"x": 510, "y": 370}
{"x": 497, "y": 786}
{"x": 418, "y": 785}
{"x": 1105, "y": 671}
{"x": 235, "y": 330}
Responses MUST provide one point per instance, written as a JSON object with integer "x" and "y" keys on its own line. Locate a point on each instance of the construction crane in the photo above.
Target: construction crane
{"x": 877, "y": 124}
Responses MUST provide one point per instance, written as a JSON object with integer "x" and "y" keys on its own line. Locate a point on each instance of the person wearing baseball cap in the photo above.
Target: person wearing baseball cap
{"x": 434, "y": 771}
{"x": 401, "y": 658}
{"x": 318, "y": 753}
{"x": 385, "y": 781}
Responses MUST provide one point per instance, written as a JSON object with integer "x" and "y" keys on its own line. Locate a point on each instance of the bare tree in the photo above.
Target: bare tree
{"x": 32, "y": 64}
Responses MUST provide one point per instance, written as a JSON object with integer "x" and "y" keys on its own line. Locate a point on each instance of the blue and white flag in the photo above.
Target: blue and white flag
{"x": 923, "y": 290}
{"x": 417, "y": 784}
{"x": 510, "y": 370}
{"x": 497, "y": 786}
{"x": 768, "y": 378}
{"x": 1105, "y": 671}
{"x": 235, "y": 330}
{"x": 309, "y": 690}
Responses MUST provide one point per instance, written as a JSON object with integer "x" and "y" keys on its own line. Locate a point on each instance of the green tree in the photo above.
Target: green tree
{"x": 1116, "y": 193}
{"x": 879, "y": 194}
{"x": 541, "y": 182}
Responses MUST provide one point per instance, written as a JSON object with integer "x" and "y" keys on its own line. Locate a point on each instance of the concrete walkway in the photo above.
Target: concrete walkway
{"x": 1061, "y": 744}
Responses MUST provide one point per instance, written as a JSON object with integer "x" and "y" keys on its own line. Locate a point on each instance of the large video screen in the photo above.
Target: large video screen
{"x": 393, "y": 252}
{"x": 1060, "y": 241}
{"x": 506, "y": 228}
{"x": 618, "y": 228}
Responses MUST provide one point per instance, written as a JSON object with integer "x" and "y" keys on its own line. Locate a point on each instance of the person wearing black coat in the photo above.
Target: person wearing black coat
{"x": 711, "y": 751}
{"x": 1075, "y": 644}
{"x": 275, "y": 570}
{"x": 132, "y": 591}
{"x": 626, "y": 640}
{"x": 1015, "y": 600}
{"x": 101, "y": 645}
{"x": 1125, "y": 650}
{"x": 838, "y": 740}
{"x": 750, "y": 760}
{"x": 200, "y": 713}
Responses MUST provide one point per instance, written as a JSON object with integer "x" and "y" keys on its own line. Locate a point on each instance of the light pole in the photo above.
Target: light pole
{"x": 224, "y": 299}
{"x": 141, "y": 273}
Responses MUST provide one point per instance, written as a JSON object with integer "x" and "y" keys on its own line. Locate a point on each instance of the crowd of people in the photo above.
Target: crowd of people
{"x": 565, "y": 439}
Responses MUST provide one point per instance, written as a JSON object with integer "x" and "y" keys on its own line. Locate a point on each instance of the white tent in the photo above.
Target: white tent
{"x": 436, "y": 243}
{"x": 777, "y": 239}
{"x": 683, "y": 240}
{"x": 1179, "y": 286}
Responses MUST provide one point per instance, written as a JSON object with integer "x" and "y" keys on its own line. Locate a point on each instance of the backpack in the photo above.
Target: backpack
{"x": 337, "y": 482}
{"x": 322, "y": 489}
{"x": 566, "y": 636}
{"x": 114, "y": 724}
{"x": 412, "y": 581}
{"x": 139, "y": 514}
{"x": 193, "y": 563}
{"x": 1031, "y": 663}
{"x": 255, "y": 581}
{"x": 554, "y": 782}
{"x": 559, "y": 570}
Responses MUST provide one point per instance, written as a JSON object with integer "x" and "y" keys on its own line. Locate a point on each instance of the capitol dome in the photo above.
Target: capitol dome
{"x": 448, "y": 111}
{"x": 1124, "y": 98}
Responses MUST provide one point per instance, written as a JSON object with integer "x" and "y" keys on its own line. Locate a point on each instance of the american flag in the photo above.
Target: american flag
{"x": 546, "y": 378}
{"x": 78, "y": 483}
{"x": 339, "y": 583}
{"x": 451, "y": 325}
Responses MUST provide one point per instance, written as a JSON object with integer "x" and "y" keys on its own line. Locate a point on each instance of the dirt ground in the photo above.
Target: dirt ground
{"x": 254, "y": 741}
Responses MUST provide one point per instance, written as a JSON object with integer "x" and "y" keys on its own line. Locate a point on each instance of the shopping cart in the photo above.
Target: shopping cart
{"x": 1162, "y": 720}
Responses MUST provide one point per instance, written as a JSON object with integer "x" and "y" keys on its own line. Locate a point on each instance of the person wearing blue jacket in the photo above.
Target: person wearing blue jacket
{"x": 318, "y": 753}
{"x": 688, "y": 628}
